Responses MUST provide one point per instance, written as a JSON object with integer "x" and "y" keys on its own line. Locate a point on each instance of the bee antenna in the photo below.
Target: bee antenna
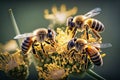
{"x": 49, "y": 30}
{"x": 71, "y": 18}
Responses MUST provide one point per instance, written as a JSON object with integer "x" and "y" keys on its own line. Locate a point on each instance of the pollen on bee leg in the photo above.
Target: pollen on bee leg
{"x": 103, "y": 55}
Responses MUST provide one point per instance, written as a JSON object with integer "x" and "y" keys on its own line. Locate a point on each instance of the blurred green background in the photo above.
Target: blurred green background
{"x": 29, "y": 16}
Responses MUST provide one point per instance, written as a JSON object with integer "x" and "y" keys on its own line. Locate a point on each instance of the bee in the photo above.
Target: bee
{"x": 90, "y": 49}
{"x": 39, "y": 35}
{"x": 85, "y": 23}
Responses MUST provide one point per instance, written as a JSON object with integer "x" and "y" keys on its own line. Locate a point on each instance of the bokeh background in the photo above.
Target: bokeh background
{"x": 30, "y": 15}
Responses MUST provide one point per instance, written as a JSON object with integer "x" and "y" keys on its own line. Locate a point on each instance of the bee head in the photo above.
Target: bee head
{"x": 78, "y": 20}
{"x": 80, "y": 44}
{"x": 41, "y": 34}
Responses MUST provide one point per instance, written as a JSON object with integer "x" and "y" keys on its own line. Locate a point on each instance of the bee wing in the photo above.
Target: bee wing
{"x": 93, "y": 12}
{"x": 103, "y": 45}
{"x": 23, "y": 35}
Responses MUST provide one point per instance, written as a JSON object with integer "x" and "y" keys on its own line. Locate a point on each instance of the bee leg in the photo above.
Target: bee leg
{"x": 87, "y": 32}
{"x": 86, "y": 61}
{"x": 84, "y": 58}
{"x": 43, "y": 50}
{"x": 50, "y": 43}
{"x": 97, "y": 35}
{"x": 74, "y": 32}
{"x": 33, "y": 49}
{"x": 47, "y": 42}
{"x": 67, "y": 30}
{"x": 71, "y": 52}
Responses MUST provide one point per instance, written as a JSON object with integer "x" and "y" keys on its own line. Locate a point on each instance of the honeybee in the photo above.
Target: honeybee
{"x": 86, "y": 23}
{"x": 90, "y": 49}
{"x": 39, "y": 35}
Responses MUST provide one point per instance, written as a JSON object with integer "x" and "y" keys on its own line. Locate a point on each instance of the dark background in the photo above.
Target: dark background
{"x": 29, "y": 16}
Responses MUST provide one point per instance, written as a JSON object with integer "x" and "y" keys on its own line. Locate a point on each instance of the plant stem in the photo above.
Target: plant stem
{"x": 14, "y": 25}
{"x": 94, "y": 75}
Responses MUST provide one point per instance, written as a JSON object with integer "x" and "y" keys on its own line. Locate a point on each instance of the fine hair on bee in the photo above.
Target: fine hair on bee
{"x": 86, "y": 23}
{"x": 39, "y": 35}
{"x": 91, "y": 51}
{"x": 81, "y": 46}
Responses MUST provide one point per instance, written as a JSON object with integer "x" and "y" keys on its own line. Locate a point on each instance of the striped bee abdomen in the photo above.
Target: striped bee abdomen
{"x": 95, "y": 56}
{"x": 26, "y": 44}
{"x": 97, "y": 25}
{"x": 96, "y": 59}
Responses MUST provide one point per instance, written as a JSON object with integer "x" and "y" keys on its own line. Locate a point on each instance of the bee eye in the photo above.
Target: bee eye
{"x": 50, "y": 34}
{"x": 72, "y": 44}
{"x": 72, "y": 24}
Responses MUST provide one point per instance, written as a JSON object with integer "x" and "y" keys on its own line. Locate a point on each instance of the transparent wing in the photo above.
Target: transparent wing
{"x": 93, "y": 12}
{"x": 103, "y": 45}
{"x": 23, "y": 35}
